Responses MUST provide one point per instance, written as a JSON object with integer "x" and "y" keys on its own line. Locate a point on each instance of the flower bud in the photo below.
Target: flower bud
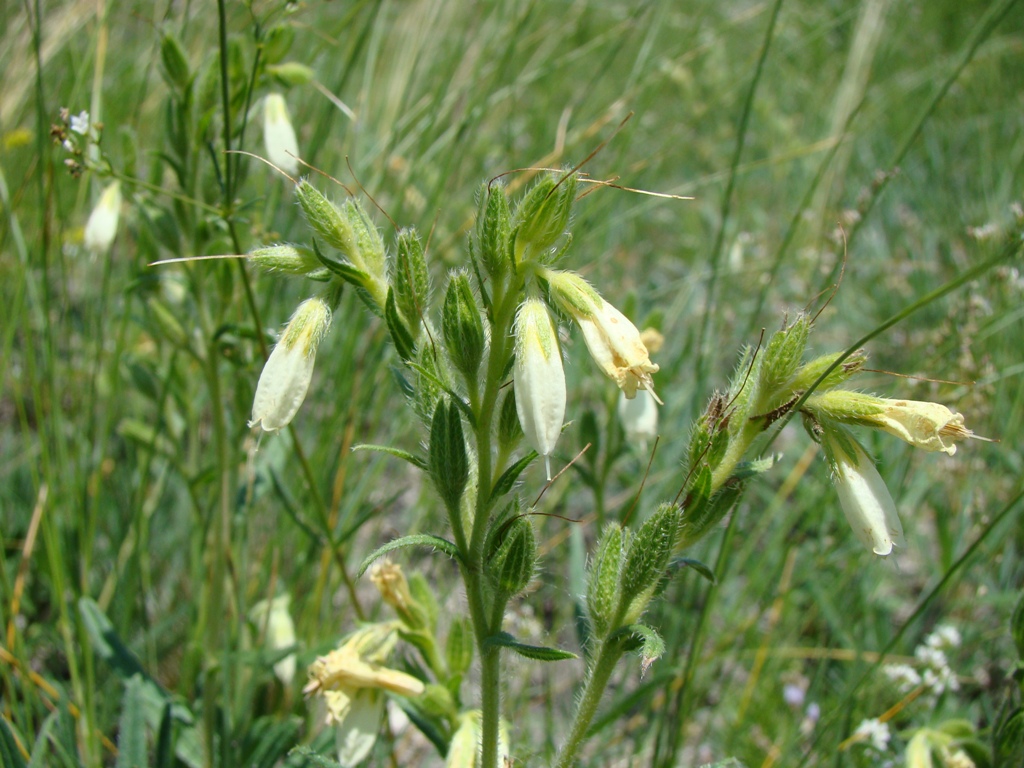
{"x": 539, "y": 379}
{"x": 272, "y": 617}
{"x": 463, "y": 329}
{"x": 102, "y": 225}
{"x": 394, "y": 590}
{"x": 290, "y": 259}
{"x": 287, "y": 373}
{"x": 865, "y": 500}
{"x": 291, "y": 73}
{"x": 279, "y": 136}
{"x": 613, "y": 341}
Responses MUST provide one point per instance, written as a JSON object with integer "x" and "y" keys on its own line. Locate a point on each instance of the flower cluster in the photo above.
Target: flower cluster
{"x": 932, "y": 673}
{"x": 613, "y": 341}
{"x": 863, "y": 495}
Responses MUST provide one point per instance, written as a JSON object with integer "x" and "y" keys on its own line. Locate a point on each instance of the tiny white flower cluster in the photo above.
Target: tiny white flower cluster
{"x": 874, "y": 734}
{"x": 933, "y": 673}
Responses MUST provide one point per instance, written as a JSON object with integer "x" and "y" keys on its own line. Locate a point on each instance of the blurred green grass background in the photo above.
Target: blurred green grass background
{"x": 810, "y": 135}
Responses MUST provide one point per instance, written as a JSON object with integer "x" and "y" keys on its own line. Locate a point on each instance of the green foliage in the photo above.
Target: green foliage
{"x": 449, "y": 465}
{"x": 462, "y": 327}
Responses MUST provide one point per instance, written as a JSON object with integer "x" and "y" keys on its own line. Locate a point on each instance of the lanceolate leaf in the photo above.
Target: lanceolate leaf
{"x": 535, "y": 652}
{"x": 510, "y": 475}
{"x": 417, "y": 461}
{"x": 416, "y": 540}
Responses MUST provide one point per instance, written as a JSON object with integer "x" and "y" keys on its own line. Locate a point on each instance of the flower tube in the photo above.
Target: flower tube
{"x": 279, "y": 135}
{"x": 863, "y": 495}
{"x": 539, "y": 379}
{"x": 289, "y": 369}
{"x": 613, "y": 341}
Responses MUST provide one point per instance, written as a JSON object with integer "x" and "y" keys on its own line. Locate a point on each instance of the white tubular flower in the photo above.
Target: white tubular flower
{"x": 279, "y": 135}
{"x": 286, "y": 376}
{"x": 639, "y": 418}
{"x": 613, "y": 341}
{"x": 539, "y": 379}
{"x": 865, "y": 500}
{"x": 102, "y": 225}
{"x": 273, "y": 617}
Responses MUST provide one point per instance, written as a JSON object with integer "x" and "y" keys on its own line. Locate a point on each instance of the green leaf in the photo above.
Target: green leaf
{"x": 315, "y": 758}
{"x": 342, "y": 269}
{"x": 164, "y": 757}
{"x": 175, "y": 63}
{"x": 10, "y": 755}
{"x": 109, "y": 647}
{"x": 509, "y": 476}
{"x": 415, "y": 540}
{"x": 510, "y": 431}
{"x": 417, "y": 461}
{"x": 462, "y": 327}
{"x": 405, "y": 345}
{"x": 131, "y": 731}
{"x": 688, "y": 562}
{"x": 646, "y": 641}
{"x": 1017, "y": 626}
{"x": 535, "y": 652}
{"x": 274, "y": 738}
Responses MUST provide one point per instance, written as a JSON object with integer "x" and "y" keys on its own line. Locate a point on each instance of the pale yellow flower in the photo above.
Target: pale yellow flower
{"x": 613, "y": 341}
{"x": 930, "y": 426}
{"x": 351, "y": 680}
{"x": 101, "y": 227}
{"x": 289, "y": 369}
{"x": 279, "y": 135}
{"x": 272, "y": 616}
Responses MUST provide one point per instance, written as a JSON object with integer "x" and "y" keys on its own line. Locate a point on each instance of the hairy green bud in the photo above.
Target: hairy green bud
{"x": 277, "y": 42}
{"x": 411, "y": 280}
{"x": 448, "y": 463}
{"x": 291, "y": 73}
{"x": 175, "y": 62}
{"x": 810, "y": 372}
{"x": 462, "y": 327}
{"x": 646, "y": 561}
{"x": 542, "y": 216}
{"x": 494, "y": 229}
{"x": 781, "y": 358}
{"x": 512, "y": 564}
{"x": 459, "y": 646}
{"x": 603, "y": 578}
{"x": 290, "y": 259}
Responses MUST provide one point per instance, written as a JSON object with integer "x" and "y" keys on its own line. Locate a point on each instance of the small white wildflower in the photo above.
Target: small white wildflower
{"x": 874, "y": 734}
{"x": 80, "y": 123}
{"x": 945, "y": 637}
{"x": 904, "y": 676}
{"x": 931, "y": 656}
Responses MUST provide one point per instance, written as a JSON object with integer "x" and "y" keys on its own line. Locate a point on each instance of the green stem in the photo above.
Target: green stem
{"x": 593, "y": 690}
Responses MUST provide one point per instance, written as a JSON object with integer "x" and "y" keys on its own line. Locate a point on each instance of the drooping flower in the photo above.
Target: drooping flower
{"x": 539, "y": 379}
{"x": 279, "y": 135}
{"x": 289, "y": 369}
{"x": 272, "y": 616}
{"x": 639, "y": 418}
{"x": 929, "y": 426}
{"x": 351, "y": 680}
{"x": 613, "y": 341}
{"x": 863, "y": 495}
{"x": 101, "y": 227}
